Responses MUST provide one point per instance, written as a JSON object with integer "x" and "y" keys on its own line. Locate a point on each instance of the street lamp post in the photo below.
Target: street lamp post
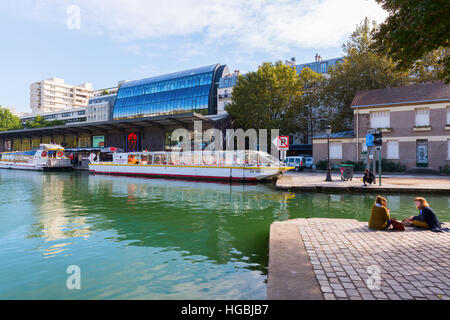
{"x": 328, "y": 132}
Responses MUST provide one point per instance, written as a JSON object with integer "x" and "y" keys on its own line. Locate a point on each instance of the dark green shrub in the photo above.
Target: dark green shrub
{"x": 390, "y": 166}
{"x": 445, "y": 169}
{"x": 356, "y": 166}
{"x": 321, "y": 165}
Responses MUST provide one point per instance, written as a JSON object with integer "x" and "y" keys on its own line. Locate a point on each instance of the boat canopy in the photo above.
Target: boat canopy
{"x": 202, "y": 158}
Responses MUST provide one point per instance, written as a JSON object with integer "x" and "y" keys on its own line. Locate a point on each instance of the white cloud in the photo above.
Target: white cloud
{"x": 274, "y": 26}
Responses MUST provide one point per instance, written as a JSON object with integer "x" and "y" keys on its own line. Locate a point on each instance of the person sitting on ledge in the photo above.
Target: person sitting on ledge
{"x": 426, "y": 219}
{"x": 368, "y": 177}
{"x": 380, "y": 218}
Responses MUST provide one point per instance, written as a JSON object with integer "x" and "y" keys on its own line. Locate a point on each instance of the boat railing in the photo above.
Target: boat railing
{"x": 248, "y": 158}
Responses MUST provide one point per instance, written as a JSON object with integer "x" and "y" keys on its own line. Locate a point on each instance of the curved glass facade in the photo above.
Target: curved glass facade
{"x": 191, "y": 90}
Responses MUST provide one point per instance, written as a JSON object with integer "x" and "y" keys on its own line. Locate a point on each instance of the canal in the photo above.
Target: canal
{"x": 136, "y": 238}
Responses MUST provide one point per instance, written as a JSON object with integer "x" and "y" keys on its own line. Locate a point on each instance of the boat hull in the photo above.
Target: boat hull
{"x": 187, "y": 172}
{"x": 63, "y": 165}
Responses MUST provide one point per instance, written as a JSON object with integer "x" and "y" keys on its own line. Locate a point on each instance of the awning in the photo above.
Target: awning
{"x": 160, "y": 121}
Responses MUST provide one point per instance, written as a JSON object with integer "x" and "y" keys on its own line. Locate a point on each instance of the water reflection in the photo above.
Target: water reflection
{"x": 152, "y": 238}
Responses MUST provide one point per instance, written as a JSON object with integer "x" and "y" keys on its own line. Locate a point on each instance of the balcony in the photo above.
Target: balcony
{"x": 422, "y": 128}
{"x": 225, "y": 96}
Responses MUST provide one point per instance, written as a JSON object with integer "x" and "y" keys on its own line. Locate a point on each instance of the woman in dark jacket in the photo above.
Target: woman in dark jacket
{"x": 426, "y": 218}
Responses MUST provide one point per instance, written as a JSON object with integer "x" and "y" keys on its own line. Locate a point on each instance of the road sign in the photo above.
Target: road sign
{"x": 369, "y": 140}
{"x": 283, "y": 142}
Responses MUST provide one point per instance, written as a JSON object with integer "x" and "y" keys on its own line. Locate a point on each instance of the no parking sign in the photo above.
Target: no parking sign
{"x": 283, "y": 142}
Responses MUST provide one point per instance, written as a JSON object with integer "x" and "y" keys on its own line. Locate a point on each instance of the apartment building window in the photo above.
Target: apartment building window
{"x": 335, "y": 150}
{"x": 422, "y": 117}
{"x": 380, "y": 119}
{"x": 448, "y": 116}
{"x": 392, "y": 150}
{"x": 448, "y": 149}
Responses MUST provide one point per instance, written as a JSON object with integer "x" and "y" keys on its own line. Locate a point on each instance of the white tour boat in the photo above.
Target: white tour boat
{"x": 217, "y": 165}
{"x": 47, "y": 157}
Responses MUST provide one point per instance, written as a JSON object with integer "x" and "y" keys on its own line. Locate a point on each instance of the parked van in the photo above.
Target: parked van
{"x": 298, "y": 162}
{"x": 309, "y": 161}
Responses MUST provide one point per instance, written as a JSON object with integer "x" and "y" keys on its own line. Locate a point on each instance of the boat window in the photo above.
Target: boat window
{"x": 160, "y": 158}
{"x": 133, "y": 159}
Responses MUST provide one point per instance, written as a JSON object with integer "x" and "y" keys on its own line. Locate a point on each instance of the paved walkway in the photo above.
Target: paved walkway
{"x": 350, "y": 261}
{"x": 313, "y": 181}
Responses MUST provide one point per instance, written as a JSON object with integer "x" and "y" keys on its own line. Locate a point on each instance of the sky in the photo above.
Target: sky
{"x": 105, "y": 41}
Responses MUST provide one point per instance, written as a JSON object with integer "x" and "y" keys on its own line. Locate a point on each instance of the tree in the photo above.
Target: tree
{"x": 8, "y": 121}
{"x": 429, "y": 68}
{"x": 305, "y": 114}
{"x": 263, "y": 99}
{"x": 361, "y": 69}
{"x": 412, "y": 30}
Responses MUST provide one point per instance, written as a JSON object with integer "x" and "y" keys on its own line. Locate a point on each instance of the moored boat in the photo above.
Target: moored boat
{"x": 248, "y": 165}
{"x": 47, "y": 157}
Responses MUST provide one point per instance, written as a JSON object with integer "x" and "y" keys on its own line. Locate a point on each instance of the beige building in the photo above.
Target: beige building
{"x": 224, "y": 91}
{"x": 53, "y": 94}
{"x": 415, "y": 121}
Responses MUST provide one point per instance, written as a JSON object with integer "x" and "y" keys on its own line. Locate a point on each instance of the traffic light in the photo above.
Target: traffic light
{"x": 377, "y": 138}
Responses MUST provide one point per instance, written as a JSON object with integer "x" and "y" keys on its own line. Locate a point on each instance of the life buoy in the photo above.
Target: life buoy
{"x": 60, "y": 154}
{"x": 44, "y": 154}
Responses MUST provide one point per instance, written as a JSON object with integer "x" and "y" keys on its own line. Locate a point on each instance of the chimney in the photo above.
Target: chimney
{"x": 236, "y": 72}
{"x": 316, "y": 57}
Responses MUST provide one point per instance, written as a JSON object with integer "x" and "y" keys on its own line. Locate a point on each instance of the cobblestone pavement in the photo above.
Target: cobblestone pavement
{"x": 350, "y": 261}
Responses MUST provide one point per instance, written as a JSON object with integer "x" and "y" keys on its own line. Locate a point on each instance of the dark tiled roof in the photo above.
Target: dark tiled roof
{"x": 337, "y": 135}
{"x": 423, "y": 92}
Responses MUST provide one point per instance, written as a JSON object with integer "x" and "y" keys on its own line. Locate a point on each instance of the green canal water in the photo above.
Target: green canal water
{"x": 152, "y": 239}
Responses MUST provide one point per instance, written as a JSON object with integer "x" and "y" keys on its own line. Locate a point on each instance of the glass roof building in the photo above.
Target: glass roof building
{"x": 190, "y": 90}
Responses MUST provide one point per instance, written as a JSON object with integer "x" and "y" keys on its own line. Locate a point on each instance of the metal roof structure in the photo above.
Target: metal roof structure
{"x": 170, "y": 76}
{"x": 161, "y": 121}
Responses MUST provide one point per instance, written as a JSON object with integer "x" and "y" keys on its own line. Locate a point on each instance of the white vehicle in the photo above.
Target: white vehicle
{"x": 297, "y": 162}
{"x": 309, "y": 162}
{"x": 216, "y": 165}
{"x": 47, "y": 157}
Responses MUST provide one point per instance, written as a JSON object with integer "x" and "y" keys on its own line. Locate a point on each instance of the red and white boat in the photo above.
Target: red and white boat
{"x": 216, "y": 165}
{"x": 47, "y": 157}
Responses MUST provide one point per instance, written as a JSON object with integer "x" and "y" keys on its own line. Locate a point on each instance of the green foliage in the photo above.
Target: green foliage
{"x": 303, "y": 114}
{"x": 8, "y": 121}
{"x": 390, "y": 166}
{"x": 414, "y": 29}
{"x": 264, "y": 99}
{"x": 322, "y": 165}
{"x": 445, "y": 169}
{"x": 356, "y": 166}
{"x": 362, "y": 69}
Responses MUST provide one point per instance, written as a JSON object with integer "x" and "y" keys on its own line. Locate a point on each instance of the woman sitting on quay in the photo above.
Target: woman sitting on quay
{"x": 426, "y": 219}
{"x": 380, "y": 218}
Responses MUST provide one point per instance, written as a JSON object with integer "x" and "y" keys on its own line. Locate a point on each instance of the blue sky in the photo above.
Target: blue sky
{"x": 118, "y": 40}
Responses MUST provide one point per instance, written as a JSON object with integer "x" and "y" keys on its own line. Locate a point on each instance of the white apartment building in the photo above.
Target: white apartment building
{"x": 100, "y": 107}
{"x": 53, "y": 94}
{"x": 15, "y": 112}
{"x": 224, "y": 90}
